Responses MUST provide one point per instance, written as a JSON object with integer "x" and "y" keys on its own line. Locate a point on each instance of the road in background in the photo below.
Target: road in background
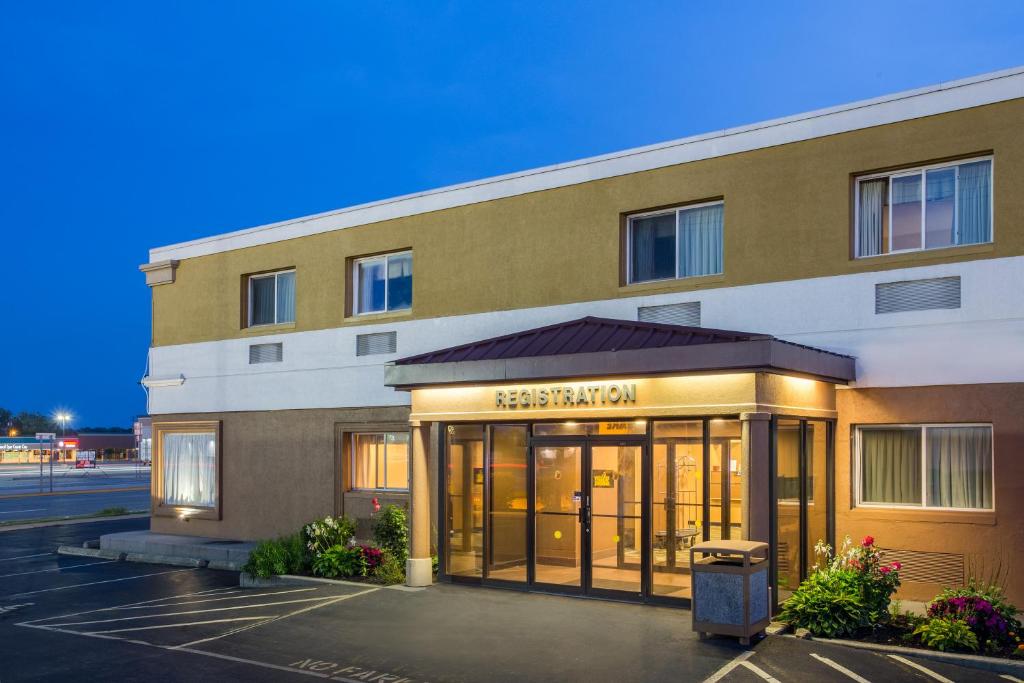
{"x": 24, "y": 495}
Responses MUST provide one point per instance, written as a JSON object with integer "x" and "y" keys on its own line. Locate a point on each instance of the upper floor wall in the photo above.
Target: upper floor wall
{"x": 788, "y": 214}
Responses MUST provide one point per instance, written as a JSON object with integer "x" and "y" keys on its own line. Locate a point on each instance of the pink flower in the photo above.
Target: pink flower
{"x": 885, "y": 570}
{"x": 376, "y": 505}
{"x": 896, "y": 565}
{"x": 868, "y": 541}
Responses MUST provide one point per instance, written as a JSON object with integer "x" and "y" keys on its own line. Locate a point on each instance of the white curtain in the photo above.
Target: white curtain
{"x": 974, "y": 205}
{"x": 869, "y": 217}
{"x": 700, "y": 241}
{"x": 891, "y": 466}
{"x": 190, "y": 468}
{"x": 371, "y": 286}
{"x": 960, "y": 467}
{"x": 286, "y": 297}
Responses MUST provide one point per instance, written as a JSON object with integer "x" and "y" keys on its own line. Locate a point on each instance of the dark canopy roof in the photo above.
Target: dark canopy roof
{"x": 598, "y": 346}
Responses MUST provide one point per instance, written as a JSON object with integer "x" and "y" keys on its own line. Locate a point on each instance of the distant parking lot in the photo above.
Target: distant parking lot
{"x": 80, "y": 618}
{"x": 25, "y": 495}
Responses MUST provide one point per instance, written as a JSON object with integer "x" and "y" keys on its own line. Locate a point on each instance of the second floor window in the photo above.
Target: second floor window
{"x": 272, "y": 298}
{"x": 683, "y": 242}
{"x": 929, "y": 207}
{"x": 383, "y": 283}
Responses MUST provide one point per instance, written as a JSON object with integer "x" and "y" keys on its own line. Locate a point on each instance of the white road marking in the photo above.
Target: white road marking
{"x": 840, "y": 668}
{"x": 923, "y": 669}
{"x": 11, "y": 512}
{"x": 194, "y": 611}
{"x": 760, "y": 672}
{"x": 24, "y": 557}
{"x": 1010, "y": 678}
{"x": 729, "y": 666}
{"x": 57, "y": 569}
{"x": 278, "y": 618}
{"x": 231, "y": 597}
{"x": 128, "y": 605}
{"x": 96, "y": 583}
{"x": 191, "y": 623}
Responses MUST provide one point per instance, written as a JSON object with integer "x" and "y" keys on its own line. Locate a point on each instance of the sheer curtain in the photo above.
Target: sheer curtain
{"x": 891, "y": 466}
{"x": 974, "y": 205}
{"x": 700, "y": 241}
{"x": 190, "y": 468}
{"x": 286, "y": 298}
{"x": 960, "y": 467}
{"x": 371, "y": 286}
{"x": 261, "y": 289}
{"x": 870, "y": 213}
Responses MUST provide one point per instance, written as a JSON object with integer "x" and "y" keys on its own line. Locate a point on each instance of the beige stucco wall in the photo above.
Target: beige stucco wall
{"x": 787, "y": 216}
{"x": 282, "y": 469}
{"x": 987, "y": 540}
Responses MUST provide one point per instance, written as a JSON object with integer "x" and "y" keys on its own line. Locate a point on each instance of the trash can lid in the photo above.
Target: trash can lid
{"x": 730, "y": 547}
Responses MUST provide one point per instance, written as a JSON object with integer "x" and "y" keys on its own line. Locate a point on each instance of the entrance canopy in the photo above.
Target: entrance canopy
{"x": 611, "y": 368}
{"x": 601, "y": 347}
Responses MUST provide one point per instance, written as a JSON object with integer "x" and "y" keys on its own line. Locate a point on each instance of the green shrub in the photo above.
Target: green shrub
{"x": 391, "y": 570}
{"x": 284, "y": 555}
{"x": 328, "y": 532}
{"x": 947, "y": 635}
{"x": 828, "y": 603}
{"x": 391, "y": 532}
{"x": 340, "y": 560}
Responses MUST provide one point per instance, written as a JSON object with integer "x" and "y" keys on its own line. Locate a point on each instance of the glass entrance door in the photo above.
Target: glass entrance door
{"x": 615, "y": 516}
{"x": 559, "y": 513}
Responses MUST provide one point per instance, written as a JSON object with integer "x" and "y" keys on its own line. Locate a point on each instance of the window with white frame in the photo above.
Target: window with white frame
{"x": 382, "y": 283}
{"x": 928, "y": 207}
{"x": 272, "y": 298}
{"x": 676, "y": 243}
{"x": 940, "y": 466}
{"x": 380, "y": 461}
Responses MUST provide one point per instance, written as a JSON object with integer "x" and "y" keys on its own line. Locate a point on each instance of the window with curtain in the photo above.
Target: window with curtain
{"x": 382, "y": 283}
{"x": 934, "y": 466}
{"x": 189, "y": 468}
{"x": 678, "y": 243}
{"x": 930, "y": 207}
{"x": 380, "y": 461}
{"x": 272, "y": 298}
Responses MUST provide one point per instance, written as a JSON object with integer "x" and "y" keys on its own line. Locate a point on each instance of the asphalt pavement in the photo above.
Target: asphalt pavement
{"x": 73, "y": 618}
{"x": 24, "y": 495}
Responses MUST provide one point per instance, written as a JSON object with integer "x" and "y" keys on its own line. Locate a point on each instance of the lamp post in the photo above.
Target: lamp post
{"x": 63, "y": 419}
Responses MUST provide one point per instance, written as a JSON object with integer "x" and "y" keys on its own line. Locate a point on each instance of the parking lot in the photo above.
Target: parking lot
{"x": 92, "y": 619}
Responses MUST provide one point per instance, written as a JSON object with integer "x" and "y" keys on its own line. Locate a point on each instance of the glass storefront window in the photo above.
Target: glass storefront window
{"x": 678, "y": 503}
{"x": 787, "y": 495}
{"x": 465, "y": 486}
{"x": 607, "y": 428}
{"x": 508, "y": 503}
{"x": 726, "y": 480}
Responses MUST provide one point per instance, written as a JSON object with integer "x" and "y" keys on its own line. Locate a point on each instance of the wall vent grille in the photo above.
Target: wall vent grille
{"x": 266, "y": 353}
{"x": 376, "y": 343}
{"x": 687, "y": 314}
{"x": 917, "y": 295}
{"x": 924, "y": 567}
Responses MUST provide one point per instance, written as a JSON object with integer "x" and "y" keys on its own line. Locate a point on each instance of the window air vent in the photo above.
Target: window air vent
{"x": 917, "y": 295}
{"x": 376, "y": 343}
{"x": 673, "y": 314}
{"x": 266, "y": 353}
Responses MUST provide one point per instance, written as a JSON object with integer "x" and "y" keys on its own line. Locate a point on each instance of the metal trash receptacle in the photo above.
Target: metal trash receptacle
{"x": 730, "y": 588}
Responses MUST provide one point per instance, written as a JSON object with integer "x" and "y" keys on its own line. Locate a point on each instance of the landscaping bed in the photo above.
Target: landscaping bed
{"x": 849, "y": 595}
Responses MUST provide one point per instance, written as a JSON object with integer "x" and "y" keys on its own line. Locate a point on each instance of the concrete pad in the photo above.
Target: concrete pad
{"x": 175, "y": 549}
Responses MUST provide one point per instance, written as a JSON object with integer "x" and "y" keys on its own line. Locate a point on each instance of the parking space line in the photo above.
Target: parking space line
{"x": 759, "y": 671}
{"x": 278, "y": 618}
{"x": 194, "y": 611}
{"x": 24, "y": 557}
{"x": 840, "y": 668}
{"x": 94, "y": 583}
{"x": 1010, "y": 678}
{"x": 231, "y": 597}
{"x": 159, "y": 626}
{"x": 923, "y": 669}
{"x": 57, "y": 569}
{"x": 729, "y": 666}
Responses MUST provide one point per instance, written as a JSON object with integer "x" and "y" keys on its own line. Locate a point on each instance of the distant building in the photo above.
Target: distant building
{"x": 28, "y": 449}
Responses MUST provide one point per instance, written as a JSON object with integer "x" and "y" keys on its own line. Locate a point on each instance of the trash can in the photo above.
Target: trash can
{"x": 730, "y": 588}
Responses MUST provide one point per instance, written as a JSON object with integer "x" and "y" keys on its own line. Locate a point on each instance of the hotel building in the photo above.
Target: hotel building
{"x": 792, "y": 331}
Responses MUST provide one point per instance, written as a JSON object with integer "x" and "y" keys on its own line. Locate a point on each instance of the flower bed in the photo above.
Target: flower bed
{"x": 849, "y": 595}
{"x": 327, "y": 548}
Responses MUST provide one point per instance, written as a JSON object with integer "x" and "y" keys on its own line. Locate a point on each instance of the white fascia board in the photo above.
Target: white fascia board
{"x": 977, "y": 91}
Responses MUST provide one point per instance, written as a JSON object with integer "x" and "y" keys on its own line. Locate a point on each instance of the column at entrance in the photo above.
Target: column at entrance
{"x": 418, "y": 569}
{"x": 757, "y": 503}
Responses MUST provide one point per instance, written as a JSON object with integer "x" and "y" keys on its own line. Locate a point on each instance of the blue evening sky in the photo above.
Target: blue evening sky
{"x": 126, "y": 125}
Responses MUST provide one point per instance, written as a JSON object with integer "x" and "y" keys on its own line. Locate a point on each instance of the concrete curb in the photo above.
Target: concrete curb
{"x": 994, "y": 664}
{"x": 75, "y": 551}
{"x": 60, "y": 521}
{"x": 173, "y": 560}
{"x": 247, "y": 581}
